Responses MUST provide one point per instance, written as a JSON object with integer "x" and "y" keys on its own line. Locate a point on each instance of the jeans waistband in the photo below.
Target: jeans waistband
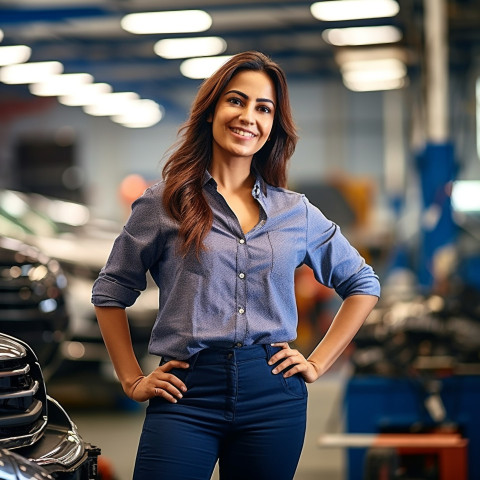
{"x": 212, "y": 356}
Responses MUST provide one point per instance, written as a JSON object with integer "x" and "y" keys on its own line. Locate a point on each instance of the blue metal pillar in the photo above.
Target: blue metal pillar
{"x": 437, "y": 169}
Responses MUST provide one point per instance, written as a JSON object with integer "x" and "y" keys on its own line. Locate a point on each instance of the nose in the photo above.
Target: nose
{"x": 246, "y": 116}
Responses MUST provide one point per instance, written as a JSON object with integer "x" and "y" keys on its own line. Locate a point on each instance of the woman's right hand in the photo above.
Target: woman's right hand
{"x": 159, "y": 383}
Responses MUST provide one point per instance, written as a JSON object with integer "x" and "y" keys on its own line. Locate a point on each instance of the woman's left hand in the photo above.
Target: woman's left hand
{"x": 288, "y": 356}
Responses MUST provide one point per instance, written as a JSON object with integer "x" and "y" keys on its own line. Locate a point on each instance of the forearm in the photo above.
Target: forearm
{"x": 348, "y": 320}
{"x": 115, "y": 331}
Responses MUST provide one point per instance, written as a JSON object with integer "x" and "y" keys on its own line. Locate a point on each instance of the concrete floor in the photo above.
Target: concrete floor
{"x": 117, "y": 431}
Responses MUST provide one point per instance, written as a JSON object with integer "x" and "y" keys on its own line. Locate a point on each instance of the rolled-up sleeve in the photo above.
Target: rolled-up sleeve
{"x": 134, "y": 251}
{"x": 334, "y": 261}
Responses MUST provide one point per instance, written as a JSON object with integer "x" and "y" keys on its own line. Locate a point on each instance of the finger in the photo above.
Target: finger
{"x": 170, "y": 388}
{"x": 161, "y": 375}
{"x": 284, "y": 353}
{"x": 166, "y": 367}
{"x": 288, "y": 362}
{"x": 160, "y": 392}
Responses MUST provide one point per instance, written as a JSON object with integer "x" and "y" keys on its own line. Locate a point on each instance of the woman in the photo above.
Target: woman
{"x": 222, "y": 238}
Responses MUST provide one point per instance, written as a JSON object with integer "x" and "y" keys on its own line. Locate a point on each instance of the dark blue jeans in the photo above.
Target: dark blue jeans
{"x": 235, "y": 411}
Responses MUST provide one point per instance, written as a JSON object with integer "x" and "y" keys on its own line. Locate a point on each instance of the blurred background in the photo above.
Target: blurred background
{"x": 386, "y": 97}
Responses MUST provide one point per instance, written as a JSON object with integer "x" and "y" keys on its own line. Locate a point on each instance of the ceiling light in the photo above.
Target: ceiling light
{"x": 60, "y": 84}
{"x": 1, "y": 34}
{"x": 14, "y": 54}
{"x": 29, "y": 72}
{"x": 388, "y": 67}
{"x": 340, "y": 10}
{"x": 85, "y": 95}
{"x": 110, "y": 104}
{"x": 362, "y": 35}
{"x": 465, "y": 196}
{"x": 190, "y": 47}
{"x": 370, "y": 75}
{"x": 140, "y": 114}
{"x": 346, "y": 54}
{"x": 182, "y": 21}
{"x": 198, "y": 68}
{"x": 375, "y": 85}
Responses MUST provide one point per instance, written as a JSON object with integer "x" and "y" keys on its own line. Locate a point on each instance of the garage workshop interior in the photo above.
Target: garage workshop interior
{"x": 385, "y": 95}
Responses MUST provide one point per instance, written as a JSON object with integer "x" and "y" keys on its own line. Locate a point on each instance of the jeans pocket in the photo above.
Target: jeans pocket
{"x": 294, "y": 385}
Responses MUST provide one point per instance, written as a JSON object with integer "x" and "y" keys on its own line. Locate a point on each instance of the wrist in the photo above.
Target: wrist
{"x": 319, "y": 370}
{"x": 131, "y": 384}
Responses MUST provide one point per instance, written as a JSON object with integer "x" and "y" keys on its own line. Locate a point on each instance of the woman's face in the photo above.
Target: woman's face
{"x": 243, "y": 117}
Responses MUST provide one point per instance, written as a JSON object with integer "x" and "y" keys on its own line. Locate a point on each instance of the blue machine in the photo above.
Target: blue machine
{"x": 375, "y": 404}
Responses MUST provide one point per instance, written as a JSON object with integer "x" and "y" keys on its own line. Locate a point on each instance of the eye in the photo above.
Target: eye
{"x": 234, "y": 101}
{"x": 264, "y": 109}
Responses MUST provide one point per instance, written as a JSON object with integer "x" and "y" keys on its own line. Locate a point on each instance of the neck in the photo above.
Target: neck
{"x": 232, "y": 176}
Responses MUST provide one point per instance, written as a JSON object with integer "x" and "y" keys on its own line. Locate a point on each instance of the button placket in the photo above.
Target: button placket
{"x": 241, "y": 290}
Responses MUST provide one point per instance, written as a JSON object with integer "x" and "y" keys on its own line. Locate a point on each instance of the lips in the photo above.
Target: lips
{"x": 243, "y": 133}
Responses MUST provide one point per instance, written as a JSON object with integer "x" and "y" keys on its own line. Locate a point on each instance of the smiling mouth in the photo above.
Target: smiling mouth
{"x": 243, "y": 133}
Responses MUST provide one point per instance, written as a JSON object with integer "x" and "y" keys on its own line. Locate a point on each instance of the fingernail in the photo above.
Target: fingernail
{"x": 274, "y": 371}
{"x": 270, "y": 362}
{"x": 184, "y": 389}
{"x": 180, "y": 395}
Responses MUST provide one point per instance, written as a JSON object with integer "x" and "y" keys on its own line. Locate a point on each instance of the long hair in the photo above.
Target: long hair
{"x": 184, "y": 170}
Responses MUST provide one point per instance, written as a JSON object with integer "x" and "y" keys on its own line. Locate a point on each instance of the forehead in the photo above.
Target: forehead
{"x": 253, "y": 83}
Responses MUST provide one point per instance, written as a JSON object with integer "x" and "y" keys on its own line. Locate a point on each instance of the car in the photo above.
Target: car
{"x": 68, "y": 234}
{"x": 34, "y": 425}
{"x": 33, "y": 299}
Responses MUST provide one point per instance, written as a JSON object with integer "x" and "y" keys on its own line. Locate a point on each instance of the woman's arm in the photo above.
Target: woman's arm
{"x": 348, "y": 320}
{"x": 113, "y": 324}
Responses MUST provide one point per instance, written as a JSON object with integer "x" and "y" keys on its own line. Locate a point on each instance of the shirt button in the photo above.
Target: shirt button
{"x": 241, "y": 275}
{"x": 242, "y": 241}
{"x": 239, "y": 344}
{"x": 241, "y": 311}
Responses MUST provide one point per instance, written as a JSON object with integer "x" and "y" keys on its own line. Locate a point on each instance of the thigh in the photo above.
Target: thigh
{"x": 262, "y": 454}
{"x": 271, "y": 422}
{"x": 173, "y": 446}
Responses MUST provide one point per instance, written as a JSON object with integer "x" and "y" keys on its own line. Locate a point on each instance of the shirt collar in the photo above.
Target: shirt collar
{"x": 259, "y": 190}
{"x": 260, "y": 185}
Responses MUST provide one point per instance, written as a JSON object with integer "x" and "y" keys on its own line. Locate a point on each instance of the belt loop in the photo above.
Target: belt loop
{"x": 269, "y": 350}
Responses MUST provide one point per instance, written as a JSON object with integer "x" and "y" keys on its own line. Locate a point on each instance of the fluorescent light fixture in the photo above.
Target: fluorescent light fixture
{"x": 29, "y": 72}
{"x": 374, "y": 69}
{"x": 346, "y": 54}
{"x": 370, "y": 75}
{"x": 85, "y": 94}
{"x": 110, "y": 104}
{"x": 340, "y": 10}
{"x": 198, "y": 68}
{"x": 60, "y": 84}
{"x": 362, "y": 35}
{"x": 374, "y": 85}
{"x": 466, "y": 196}
{"x": 190, "y": 47}
{"x": 181, "y": 21}
{"x": 140, "y": 114}
{"x": 1, "y": 34}
{"x": 13, "y": 54}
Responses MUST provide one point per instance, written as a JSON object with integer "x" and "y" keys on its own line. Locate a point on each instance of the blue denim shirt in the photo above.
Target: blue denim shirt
{"x": 241, "y": 289}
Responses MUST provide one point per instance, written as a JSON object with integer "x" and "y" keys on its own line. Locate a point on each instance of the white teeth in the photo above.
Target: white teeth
{"x": 242, "y": 133}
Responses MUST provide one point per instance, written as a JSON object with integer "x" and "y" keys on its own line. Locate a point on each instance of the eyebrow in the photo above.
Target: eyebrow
{"x": 243, "y": 95}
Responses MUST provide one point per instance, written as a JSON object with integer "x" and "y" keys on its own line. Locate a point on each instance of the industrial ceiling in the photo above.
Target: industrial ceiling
{"x": 87, "y": 36}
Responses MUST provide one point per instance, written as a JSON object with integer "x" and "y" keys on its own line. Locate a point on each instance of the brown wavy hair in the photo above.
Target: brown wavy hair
{"x": 184, "y": 170}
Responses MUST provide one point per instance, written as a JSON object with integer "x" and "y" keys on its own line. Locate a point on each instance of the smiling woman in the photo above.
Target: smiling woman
{"x": 222, "y": 238}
